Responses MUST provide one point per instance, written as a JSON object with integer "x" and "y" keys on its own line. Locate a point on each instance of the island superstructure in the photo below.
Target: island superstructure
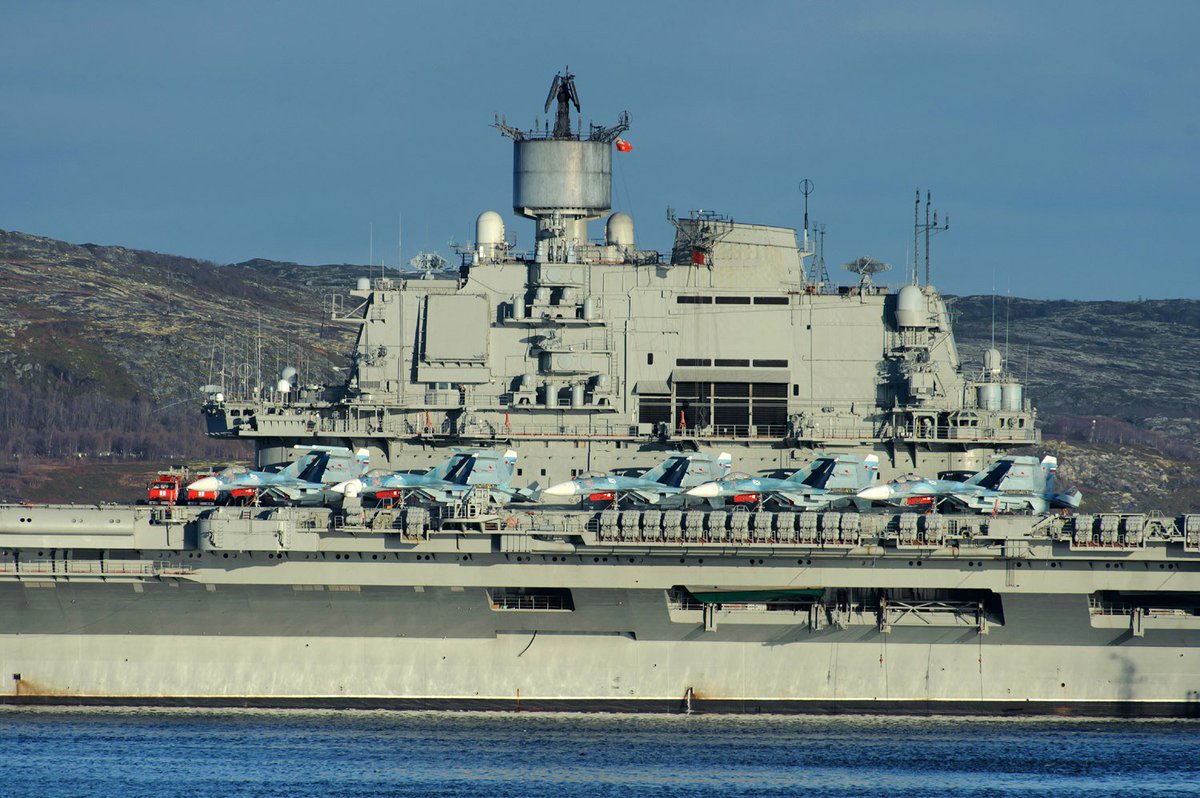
{"x": 593, "y": 354}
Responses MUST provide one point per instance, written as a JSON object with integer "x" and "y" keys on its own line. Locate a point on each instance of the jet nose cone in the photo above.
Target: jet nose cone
{"x": 204, "y": 484}
{"x": 350, "y": 488}
{"x": 709, "y": 490}
{"x": 562, "y": 489}
{"x": 876, "y": 493}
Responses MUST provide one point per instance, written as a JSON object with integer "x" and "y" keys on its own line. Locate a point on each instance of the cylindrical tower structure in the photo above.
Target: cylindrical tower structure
{"x": 572, "y": 178}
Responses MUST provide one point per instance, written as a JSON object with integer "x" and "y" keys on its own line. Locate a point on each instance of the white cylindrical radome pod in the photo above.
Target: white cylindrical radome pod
{"x": 911, "y": 310}
{"x": 993, "y": 361}
{"x": 618, "y": 231}
{"x": 489, "y": 235}
{"x": 577, "y": 395}
{"x": 364, "y": 284}
{"x": 283, "y": 386}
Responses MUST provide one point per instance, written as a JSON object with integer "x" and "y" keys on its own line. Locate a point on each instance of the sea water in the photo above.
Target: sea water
{"x": 160, "y": 752}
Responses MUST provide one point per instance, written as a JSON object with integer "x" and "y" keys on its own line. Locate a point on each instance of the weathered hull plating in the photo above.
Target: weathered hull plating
{"x": 453, "y": 616}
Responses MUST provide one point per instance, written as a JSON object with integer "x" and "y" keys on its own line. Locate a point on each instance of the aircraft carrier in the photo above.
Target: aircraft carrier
{"x": 590, "y": 355}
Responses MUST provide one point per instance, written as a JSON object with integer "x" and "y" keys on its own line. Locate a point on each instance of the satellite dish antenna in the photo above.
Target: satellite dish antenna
{"x": 865, "y": 268}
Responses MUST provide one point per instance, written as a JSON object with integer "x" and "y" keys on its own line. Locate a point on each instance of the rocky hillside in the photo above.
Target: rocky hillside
{"x": 1104, "y": 372}
{"x": 121, "y": 322}
{"x": 103, "y": 350}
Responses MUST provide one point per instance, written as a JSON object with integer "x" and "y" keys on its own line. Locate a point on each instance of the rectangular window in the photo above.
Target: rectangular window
{"x": 693, "y": 390}
{"x": 654, "y": 408}
{"x": 546, "y": 599}
{"x": 770, "y": 390}
{"x": 693, "y": 361}
{"x": 770, "y": 300}
{"x": 732, "y": 362}
{"x": 649, "y": 358}
{"x": 731, "y": 406}
{"x": 733, "y": 300}
{"x": 727, "y": 412}
{"x": 768, "y": 405}
{"x": 770, "y": 364}
{"x": 732, "y": 390}
{"x": 693, "y": 299}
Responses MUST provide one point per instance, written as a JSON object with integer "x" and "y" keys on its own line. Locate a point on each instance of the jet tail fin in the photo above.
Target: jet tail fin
{"x": 1068, "y": 501}
{"x": 315, "y": 469}
{"x": 295, "y": 468}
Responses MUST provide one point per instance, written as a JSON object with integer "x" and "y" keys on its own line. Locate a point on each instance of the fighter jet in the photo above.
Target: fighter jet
{"x": 448, "y": 482}
{"x": 823, "y": 483}
{"x": 304, "y": 480}
{"x": 669, "y": 478}
{"x": 1015, "y": 483}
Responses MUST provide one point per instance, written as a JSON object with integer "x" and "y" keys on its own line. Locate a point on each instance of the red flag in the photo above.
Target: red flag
{"x": 623, "y": 145}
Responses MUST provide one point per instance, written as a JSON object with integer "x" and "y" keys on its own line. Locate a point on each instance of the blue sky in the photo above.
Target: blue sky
{"x": 1062, "y": 138}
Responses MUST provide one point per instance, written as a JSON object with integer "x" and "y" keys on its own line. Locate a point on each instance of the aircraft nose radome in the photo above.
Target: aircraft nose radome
{"x": 205, "y": 484}
{"x": 349, "y": 488}
{"x": 562, "y": 489}
{"x": 709, "y": 490}
{"x": 875, "y": 493}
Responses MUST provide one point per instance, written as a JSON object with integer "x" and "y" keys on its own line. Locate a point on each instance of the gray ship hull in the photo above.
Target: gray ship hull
{"x": 1009, "y": 616}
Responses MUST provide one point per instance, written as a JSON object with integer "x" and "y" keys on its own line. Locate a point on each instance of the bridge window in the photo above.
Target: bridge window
{"x": 732, "y": 408}
{"x": 654, "y": 408}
